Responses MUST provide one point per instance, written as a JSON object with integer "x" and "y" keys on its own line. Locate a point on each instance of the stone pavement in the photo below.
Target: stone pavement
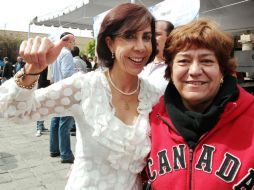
{"x": 25, "y": 163}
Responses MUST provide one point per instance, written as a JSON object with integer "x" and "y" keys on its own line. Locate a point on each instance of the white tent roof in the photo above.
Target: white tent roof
{"x": 81, "y": 16}
{"x": 233, "y": 15}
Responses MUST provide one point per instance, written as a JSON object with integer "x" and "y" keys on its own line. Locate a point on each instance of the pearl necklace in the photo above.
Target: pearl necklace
{"x": 124, "y": 93}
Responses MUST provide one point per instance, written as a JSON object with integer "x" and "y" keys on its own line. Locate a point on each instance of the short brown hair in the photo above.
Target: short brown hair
{"x": 201, "y": 33}
{"x": 125, "y": 18}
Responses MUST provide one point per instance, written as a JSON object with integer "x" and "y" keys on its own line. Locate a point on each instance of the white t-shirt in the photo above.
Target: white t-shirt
{"x": 154, "y": 74}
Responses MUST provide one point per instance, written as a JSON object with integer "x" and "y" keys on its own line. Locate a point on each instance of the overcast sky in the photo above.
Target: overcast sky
{"x": 16, "y": 14}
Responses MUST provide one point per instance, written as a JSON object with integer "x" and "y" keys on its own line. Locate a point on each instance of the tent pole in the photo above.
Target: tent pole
{"x": 29, "y": 30}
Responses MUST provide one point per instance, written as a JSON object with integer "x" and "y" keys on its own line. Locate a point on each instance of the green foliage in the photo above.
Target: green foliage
{"x": 82, "y": 52}
{"x": 90, "y": 48}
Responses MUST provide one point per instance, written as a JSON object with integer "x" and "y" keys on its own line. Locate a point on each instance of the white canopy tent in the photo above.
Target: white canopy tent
{"x": 232, "y": 15}
{"x": 178, "y": 13}
{"x": 81, "y": 16}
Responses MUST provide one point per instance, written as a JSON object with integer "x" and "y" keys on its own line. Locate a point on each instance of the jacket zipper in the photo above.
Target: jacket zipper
{"x": 190, "y": 171}
{"x": 190, "y": 152}
{"x": 147, "y": 185}
{"x": 164, "y": 121}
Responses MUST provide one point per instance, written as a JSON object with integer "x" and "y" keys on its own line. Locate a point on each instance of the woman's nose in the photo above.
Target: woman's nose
{"x": 140, "y": 45}
{"x": 195, "y": 68}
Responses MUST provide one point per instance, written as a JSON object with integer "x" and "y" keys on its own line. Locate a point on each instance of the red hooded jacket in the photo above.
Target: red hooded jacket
{"x": 223, "y": 158}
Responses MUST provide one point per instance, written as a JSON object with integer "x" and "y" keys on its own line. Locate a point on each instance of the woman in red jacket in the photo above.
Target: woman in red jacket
{"x": 202, "y": 130}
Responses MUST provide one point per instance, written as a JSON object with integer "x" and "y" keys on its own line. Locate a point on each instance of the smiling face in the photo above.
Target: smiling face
{"x": 132, "y": 50}
{"x": 196, "y": 75}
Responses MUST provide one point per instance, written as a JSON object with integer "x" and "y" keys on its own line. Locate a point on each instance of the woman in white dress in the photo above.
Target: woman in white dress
{"x": 110, "y": 107}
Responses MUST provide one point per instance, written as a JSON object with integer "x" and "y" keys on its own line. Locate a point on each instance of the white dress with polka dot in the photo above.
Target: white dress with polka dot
{"x": 109, "y": 154}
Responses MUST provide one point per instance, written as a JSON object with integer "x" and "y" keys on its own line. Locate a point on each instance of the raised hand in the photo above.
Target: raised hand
{"x": 40, "y": 52}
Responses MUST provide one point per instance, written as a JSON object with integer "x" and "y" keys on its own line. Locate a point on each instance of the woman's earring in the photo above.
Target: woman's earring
{"x": 221, "y": 81}
{"x": 113, "y": 55}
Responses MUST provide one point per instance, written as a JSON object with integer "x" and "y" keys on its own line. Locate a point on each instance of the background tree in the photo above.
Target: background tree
{"x": 90, "y": 48}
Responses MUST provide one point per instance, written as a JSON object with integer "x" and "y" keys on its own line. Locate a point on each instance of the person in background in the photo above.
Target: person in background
{"x": 202, "y": 128}
{"x": 111, "y": 107}
{"x": 42, "y": 83}
{"x": 80, "y": 65}
{"x": 19, "y": 64}
{"x": 154, "y": 71}
{"x": 1, "y": 69}
{"x": 88, "y": 63}
{"x": 93, "y": 63}
{"x": 7, "y": 70}
{"x": 96, "y": 64}
{"x": 60, "y": 127}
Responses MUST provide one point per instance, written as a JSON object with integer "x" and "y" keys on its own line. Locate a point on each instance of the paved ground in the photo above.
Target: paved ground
{"x": 24, "y": 159}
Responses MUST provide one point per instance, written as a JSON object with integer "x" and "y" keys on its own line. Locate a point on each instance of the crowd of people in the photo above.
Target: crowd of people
{"x": 8, "y": 69}
{"x": 162, "y": 110}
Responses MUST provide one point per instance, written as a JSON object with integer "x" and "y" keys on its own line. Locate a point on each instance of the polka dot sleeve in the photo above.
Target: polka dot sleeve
{"x": 59, "y": 99}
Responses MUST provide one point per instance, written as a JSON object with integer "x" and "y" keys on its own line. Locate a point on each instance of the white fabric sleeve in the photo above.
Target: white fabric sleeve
{"x": 59, "y": 99}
